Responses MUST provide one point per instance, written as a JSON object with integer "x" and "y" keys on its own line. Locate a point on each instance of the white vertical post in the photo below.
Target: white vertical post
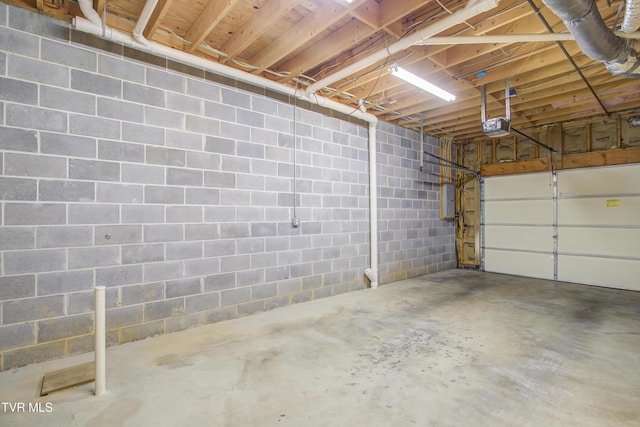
{"x": 372, "y": 273}
{"x": 100, "y": 340}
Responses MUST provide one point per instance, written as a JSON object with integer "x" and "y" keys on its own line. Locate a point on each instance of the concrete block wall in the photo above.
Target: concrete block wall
{"x": 173, "y": 187}
{"x": 412, "y": 239}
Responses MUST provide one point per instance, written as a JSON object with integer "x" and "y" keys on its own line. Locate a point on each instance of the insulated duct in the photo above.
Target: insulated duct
{"x": 631, "y": 16}
{"x": 595, "y": 39}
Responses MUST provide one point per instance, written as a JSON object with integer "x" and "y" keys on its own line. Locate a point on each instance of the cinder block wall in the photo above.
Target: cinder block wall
{"x": 173, "y": 187}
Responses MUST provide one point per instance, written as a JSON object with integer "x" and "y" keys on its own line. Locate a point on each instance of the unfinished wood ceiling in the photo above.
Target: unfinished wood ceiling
{"x": 299, "y": 42}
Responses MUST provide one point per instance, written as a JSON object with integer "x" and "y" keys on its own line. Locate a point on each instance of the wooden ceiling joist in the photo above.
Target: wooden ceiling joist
{"x": 315, "y": 39}
{"x": 214, "y": 12}
{"x": 156, "y": 17}
{"x": 266, "y": 17}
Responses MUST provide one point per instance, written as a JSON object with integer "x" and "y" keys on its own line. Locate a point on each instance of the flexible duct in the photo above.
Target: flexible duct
{"x": 595, "y": 39}
{"x": 631, "y": 16}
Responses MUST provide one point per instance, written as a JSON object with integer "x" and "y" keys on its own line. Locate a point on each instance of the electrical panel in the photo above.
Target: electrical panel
{"x": 448, "y": 197}
{"x": 496, "y": 127}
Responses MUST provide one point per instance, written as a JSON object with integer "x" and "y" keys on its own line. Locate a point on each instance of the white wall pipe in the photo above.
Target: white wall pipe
{"x": 372, "y": 273}
{"x": 509, "y": 38}
{"x": 472, "y": 9}
{"x": 154, "y": 48}
{"x": 86, "y": 6}
{"x": 143, "y": 20}
{"x": 87, "y": 26}
{"x": 100, "y": 340}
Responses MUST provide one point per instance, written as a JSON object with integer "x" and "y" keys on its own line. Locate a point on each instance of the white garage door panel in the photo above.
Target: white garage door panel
{"x": 599, "y": 181}
{"x": 594, "y": 211}
{"x": 613, "y": 242}
{"x": 533, "y": 186}
{"x": 538, "y": 212}
{"x": 598, "y": 225}
{"x": 613, "y": 273}
{"x": 523, "y": 238}
{"x": 519, "y": 263}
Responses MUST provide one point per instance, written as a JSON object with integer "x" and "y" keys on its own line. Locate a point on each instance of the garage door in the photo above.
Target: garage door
{"x": 599, "y": 226}
{"x": 598, "y": 219}
{"x": 519, "y": 225}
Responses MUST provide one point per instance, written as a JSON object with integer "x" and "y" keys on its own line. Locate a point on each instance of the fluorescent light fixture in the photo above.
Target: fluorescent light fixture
{"x": 421, "y": 83}
{"x": 349, "y": 1}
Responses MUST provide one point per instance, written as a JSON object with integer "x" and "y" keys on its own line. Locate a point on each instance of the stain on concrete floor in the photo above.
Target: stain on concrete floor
{"x": 450, "y": 349}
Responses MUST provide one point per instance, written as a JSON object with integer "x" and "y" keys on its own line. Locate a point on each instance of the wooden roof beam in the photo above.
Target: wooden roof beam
{"x": 213, "y": 13}
{"x": 98, "y": 5}
{"x": 266, "y": 17}
{"x": 439, "y": 58}
{"x": 302, "y": 32}
{"x": 156, "y": 17}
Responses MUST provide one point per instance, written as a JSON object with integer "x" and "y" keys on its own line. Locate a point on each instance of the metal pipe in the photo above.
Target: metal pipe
{"x": 507, "y": 100}
{"x": 483, "y": 103}
{"x": 100, "y": 340}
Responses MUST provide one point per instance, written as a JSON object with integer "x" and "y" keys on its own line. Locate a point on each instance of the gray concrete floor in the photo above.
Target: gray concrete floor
{"x": 457, "y": 348}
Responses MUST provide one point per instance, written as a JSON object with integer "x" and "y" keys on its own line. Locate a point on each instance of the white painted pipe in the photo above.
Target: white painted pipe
{"x": 143, "y": 20}
{"x": 86, "y": 6}
{"x": 157, "y": 49}
{"x": 509, "y": 38}
{"x": 372, "y": 273}
{"x": 100, "y": 340}
{"x": 154, "y": 48}
{"x": 472, "y": 9}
